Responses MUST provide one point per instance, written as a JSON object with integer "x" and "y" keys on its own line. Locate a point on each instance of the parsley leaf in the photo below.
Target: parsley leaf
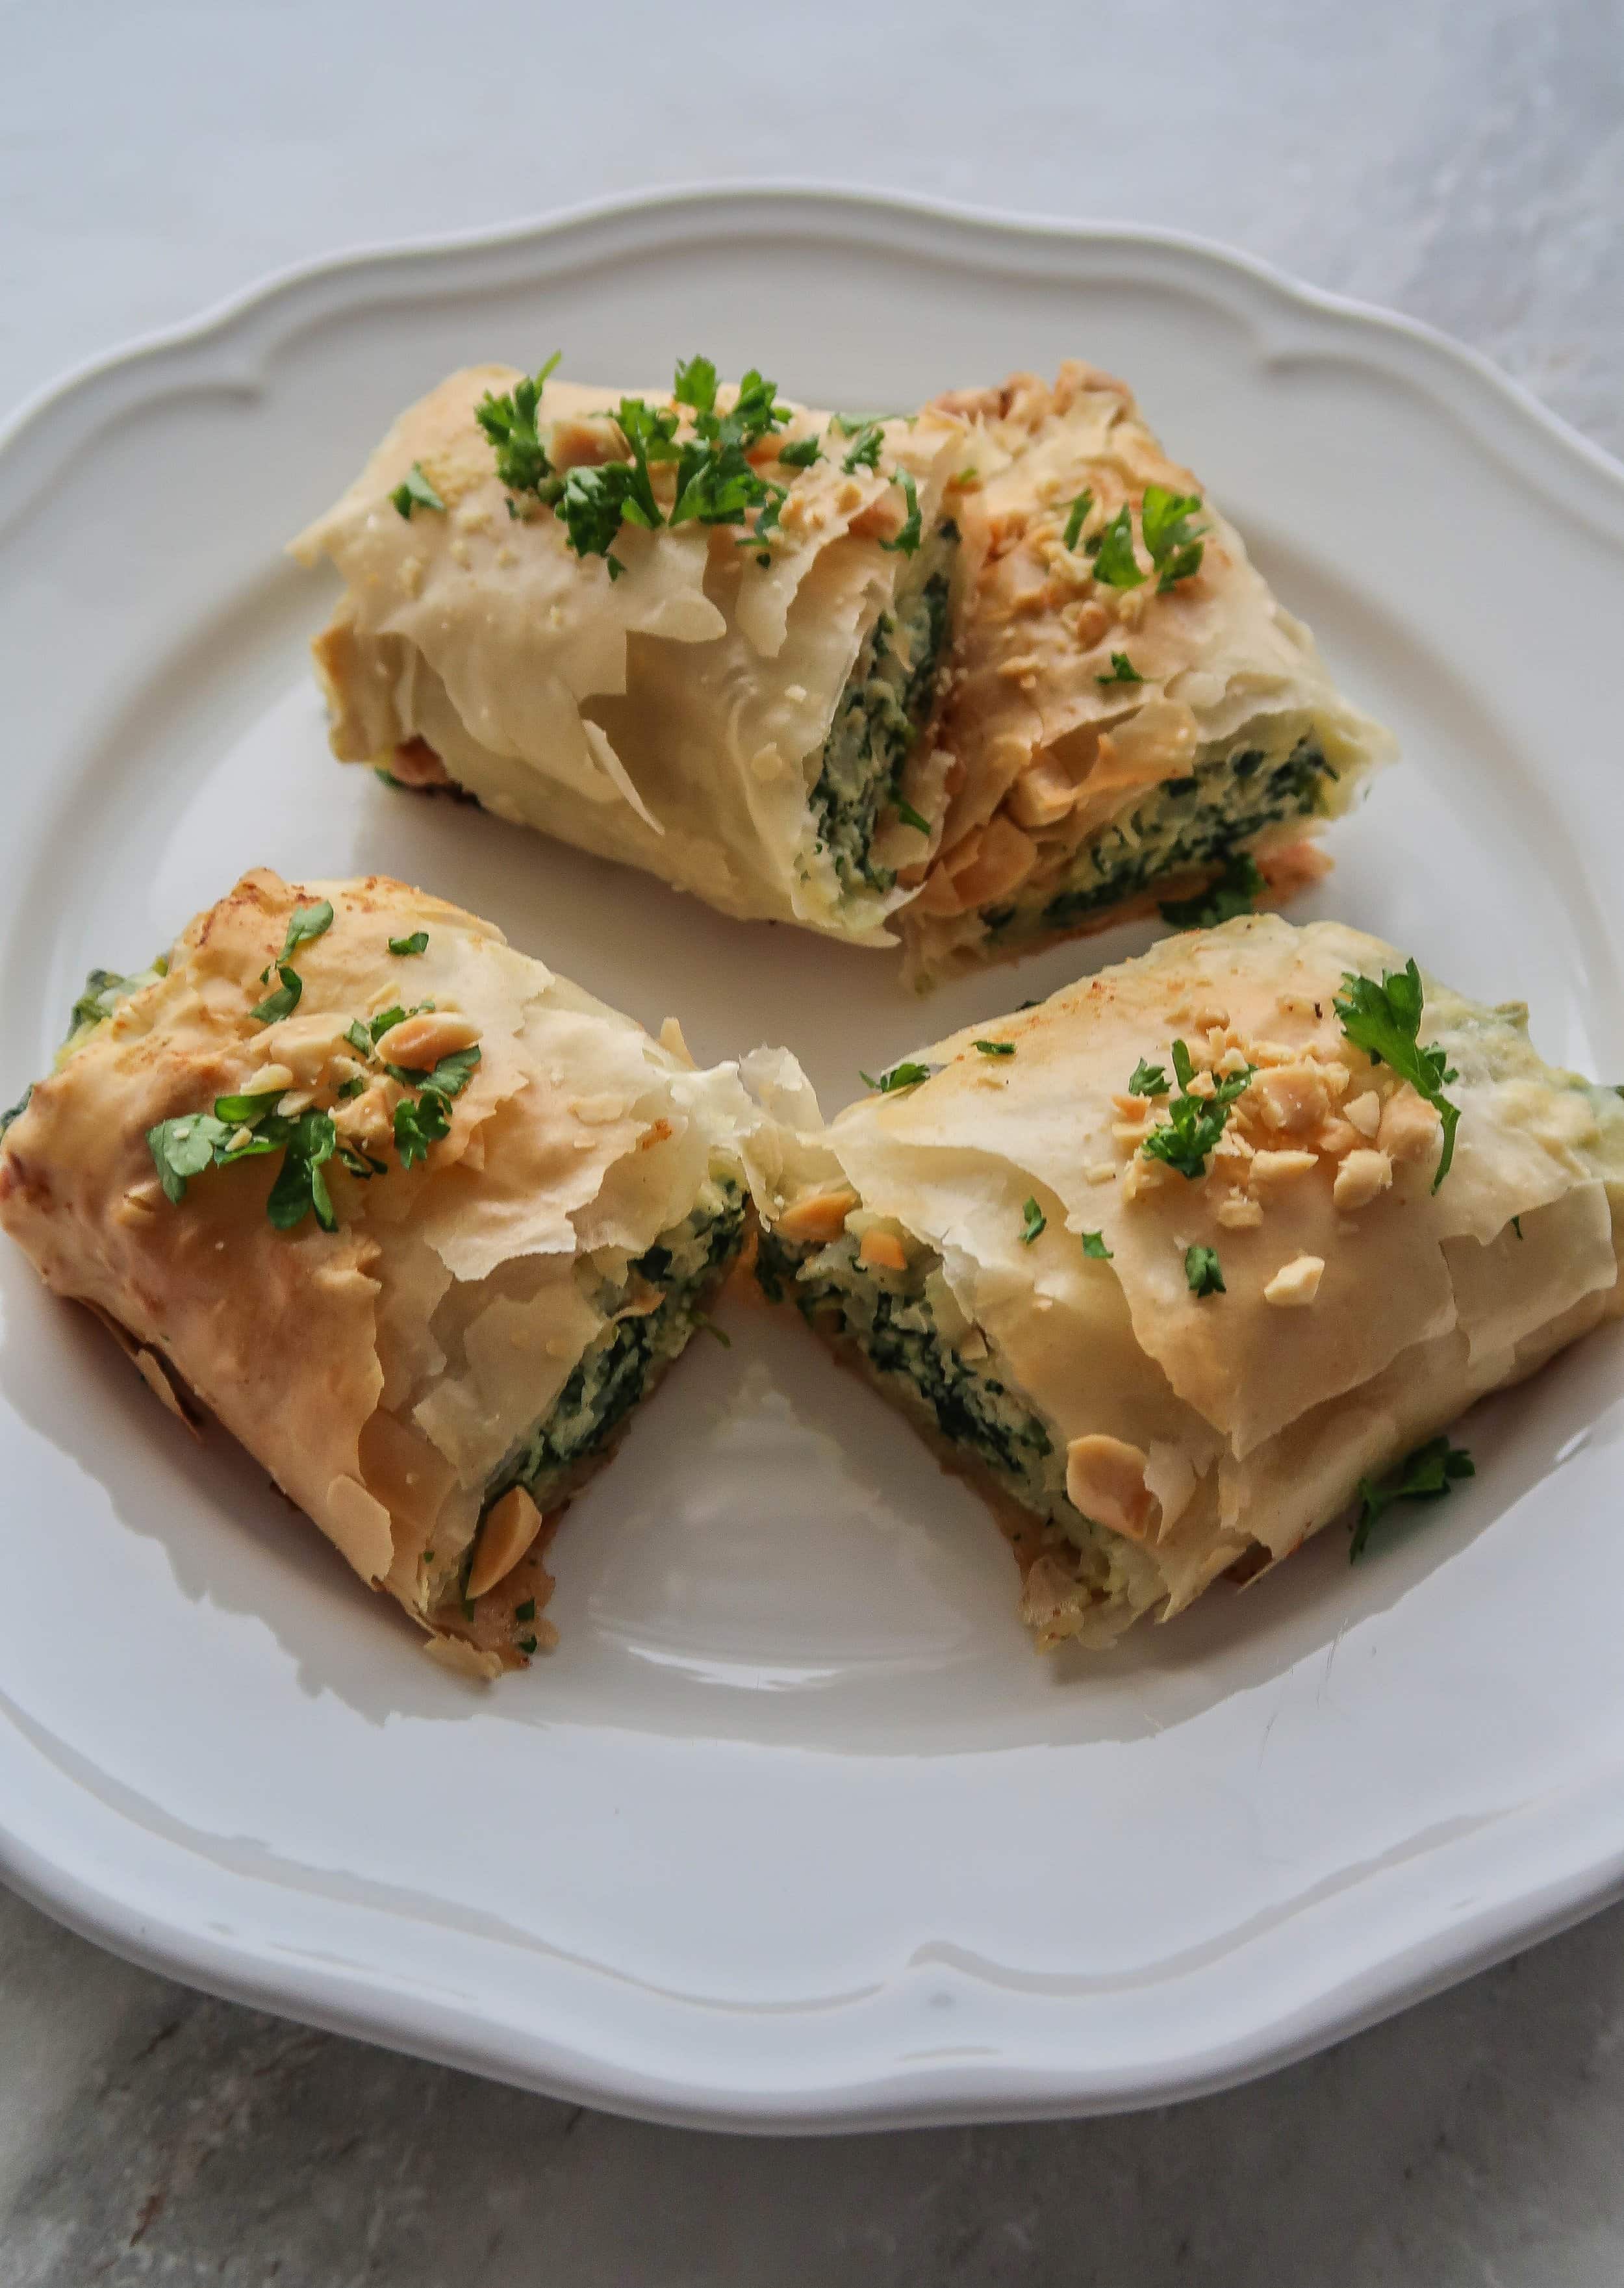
{"x": 1235, "y": 891}
{"x": 183, "y": 1147}
{"x": 996, "y": 1048}
{"x": 800, "y": 454}
{"x": 418, "y": 943}
{"x": 358, "y": 1039}
{"x": 909, "y": 817}
{"x": 695, "y": 385}
{"x": 1384, "y": 1021}
{"x": 420, "y": 1125}
{"x": 361, "y": 1164}
{"x": 902, "y": 1076}
{"x": 1075, "y": 521}
{"x": 284, "y": 1001}
{"x": 907, "y": 539}
{"x": 1148, "y": 1080}
{"x": 1094, "y": 1245}
{"x": 304, "y": 924}
{"x": 1115, "y": 562}
{"x": 1122, "y": 671}
{"x": 1425, "y": 1475}
{"x": 526, "y": 1611}
{"x": 1194, "y": 1124}
{"x": 453, "y": 1073}
{"x": 244, "y": 1111}
{"x": 300, "y": 1188}
{"x": 1174, "y": 544}
{"x": 1202, "y": 1274}
{"x": 510, "y": 422}
{"x": 863, "y": 452}
{"x": 1033, "y": 1221}
{"x": 414, "y": 491}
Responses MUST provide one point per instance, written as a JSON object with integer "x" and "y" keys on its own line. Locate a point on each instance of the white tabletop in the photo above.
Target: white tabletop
{"x": 1466, "y": 165}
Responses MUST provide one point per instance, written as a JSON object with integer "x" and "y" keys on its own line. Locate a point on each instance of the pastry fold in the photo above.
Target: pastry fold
{"x": 1132, "y": 714}
{"x": 732, "y": 705}
{"x": 1163, "y": 1264}
{"x": 419, "y": 1222}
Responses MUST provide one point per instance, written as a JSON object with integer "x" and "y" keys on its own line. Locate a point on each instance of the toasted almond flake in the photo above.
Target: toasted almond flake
{"x": 419, "y": 1043}
{"x": 1410, "y": 1126}
{"x": 1334, "y": 1137}
{"x": 882, "y": 1250}
{"x": 1232, "y": 1061}
{"x": 1237, "y": 1213}
{"x": 1291, "y": 1097}
{"x": 1365, "y": 1112}
{"x": 270, "y": 1076}
{"x": 672, "y": 1041}
{"x": 507, "y": 1531}
{"x": 1281, "y": 1167}
{"x": 1105, "y": 1479}
{"x": 1362, "y": 1175}
{"x": 819, "y": 1216}
{"x": 599, "y": 1111}
{"x": 1296, "y": 1283}
{"x": 1100, "y": 1171}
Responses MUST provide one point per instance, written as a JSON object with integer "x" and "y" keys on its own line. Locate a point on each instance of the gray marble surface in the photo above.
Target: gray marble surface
{"x": 1465, "y": 164}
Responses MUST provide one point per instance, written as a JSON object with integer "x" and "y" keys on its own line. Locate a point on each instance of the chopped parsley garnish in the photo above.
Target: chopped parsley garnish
{"x": 510, "y": 422}
{"x": 304, "y": 924}
{"x": 996, "y": 1048}
{"x": 909, "y": 817}
{"x": 1122, "y": 671}
{"x": 419, "y": 1124}
{"x": 414, "y": 491}
{"x": 1174, "y": 544}
{"x": 300, "y": 1188}
{"x": 1425, "y": 1475}
{"x": 1384, "y": 1021}
{"x": 1516, "y": 1225}
{"x": 283, "y": 1002}
{"x": 1236, "y": 891}
{"x": 527, "y": 1644}
{"x": 418, "y": 943}
{"x": 1202, "y": 1273}
{"x": 864, "y": 451}
{"x": 801, "y": 454}
{"x": 360, "y": 1038}
{"x": 1148, "y": 1080}
{"x": 1094, "y": 1247}
{"x": 185, "y": 1147}
{"x": 453, "y": 1073}
{"x": 1114, "y": 561}
{"x": 1194, "y": 1124}
{"x": 1033, "y": 1221}
{"x": 1075, "y": 521}
{"x": 361, "y": 1164}
{"x": 909, "y": 538}
{"x": 526, "y": 1611}
{"x": 242, "y": 1111}
{"x": 902, "y": 1076}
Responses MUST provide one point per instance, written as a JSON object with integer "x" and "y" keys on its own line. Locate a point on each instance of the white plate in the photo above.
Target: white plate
{"x": 795, "y": 1828}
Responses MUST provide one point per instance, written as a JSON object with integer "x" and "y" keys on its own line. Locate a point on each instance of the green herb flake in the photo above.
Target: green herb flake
{"x": 1094, "y": 1247}
{"x": 358, "y": 1039}
{"x": 420, "y": 1123}
{"x": 416, "y": 491}
{"x": 801, "y": 454}
{"x": 509, "y": 421}
{"x": 1148, "y": 1080}
{"x": 183, "y": 1147}
{"x": 1173, "y": 544}
{"x": 418, "y": 943}
{"x": 1194, "y": 1124}
{"x": 864, "y": 451}
{"x": 525, "y": 1644}
{"x": 996, "y": 1048}
{"x": 283, "y": 1002}
{"x": 526, "y": 1611}
{"x": 244, "y": 1111}
{"x": 1033, "y": 1221}
{"x": 909, "y": 817}
{"x": 453, "y": 1073}
{"x": 1516, "y": 1225}
{"x": 379, "y": 1025}
{"x": 1384, "y": 1021}
{"x": 1425, "y": 1475}
{"x": 1235, "y": 891}
{"x": 1114, "y": 561}
{"x": 902, "y": 1076}
{"x": 300, "y": 1188}
{"x": 1202, "y": 1274}
{"x": 1122, "y": 671}
{"x": 907, "y": 539}
{"x": 1075, "y": 521}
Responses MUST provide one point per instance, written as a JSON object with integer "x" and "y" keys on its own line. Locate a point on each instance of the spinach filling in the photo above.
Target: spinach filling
{"x": 104, "y": 991}
{"x": 879, "y": 714}
{"x": 891, "y": 1318}
{"x": 686, "y": 1264}
{"x": 1183, "y": 824}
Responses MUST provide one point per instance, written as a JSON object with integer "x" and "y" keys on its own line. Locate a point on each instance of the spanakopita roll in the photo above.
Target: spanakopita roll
{"x": 696, "y": 631}
{"x": 1131, "y": 717}
{"x": 1176, "y": 1262}
{"x": 419, "y": 1222}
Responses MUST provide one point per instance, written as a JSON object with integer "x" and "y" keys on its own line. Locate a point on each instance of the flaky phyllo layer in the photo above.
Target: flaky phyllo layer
{"x": 418, "y": 1221}
{"x": 703, "y": 649}
{"x": 1168, "y": 1263}
{"x": 1129, "y": 711}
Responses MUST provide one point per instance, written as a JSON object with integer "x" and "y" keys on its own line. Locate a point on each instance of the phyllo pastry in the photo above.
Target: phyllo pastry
{"x": 697, "y": 631}
{"x": 1173, "y": 1264}
{"x": 421, "y": 1222}
{"x": 1131, "y": 717}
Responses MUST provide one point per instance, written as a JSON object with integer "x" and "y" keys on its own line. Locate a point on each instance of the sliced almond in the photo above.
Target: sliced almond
{"x": 1410, "y": 1125}
{"x": 1361, "y": 1176}
{"x": 1105, "y": 1479}
{"x": 882, "y": 1250}
{"x": 1296, "y": 1283}
{"x": 419, "y": 1043}
{"x": 1365, "y": 1112}
{"x": 1281, "y": 1167}
{"x": 507, "y": 1532}
{"x": 819, "y": 1216}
